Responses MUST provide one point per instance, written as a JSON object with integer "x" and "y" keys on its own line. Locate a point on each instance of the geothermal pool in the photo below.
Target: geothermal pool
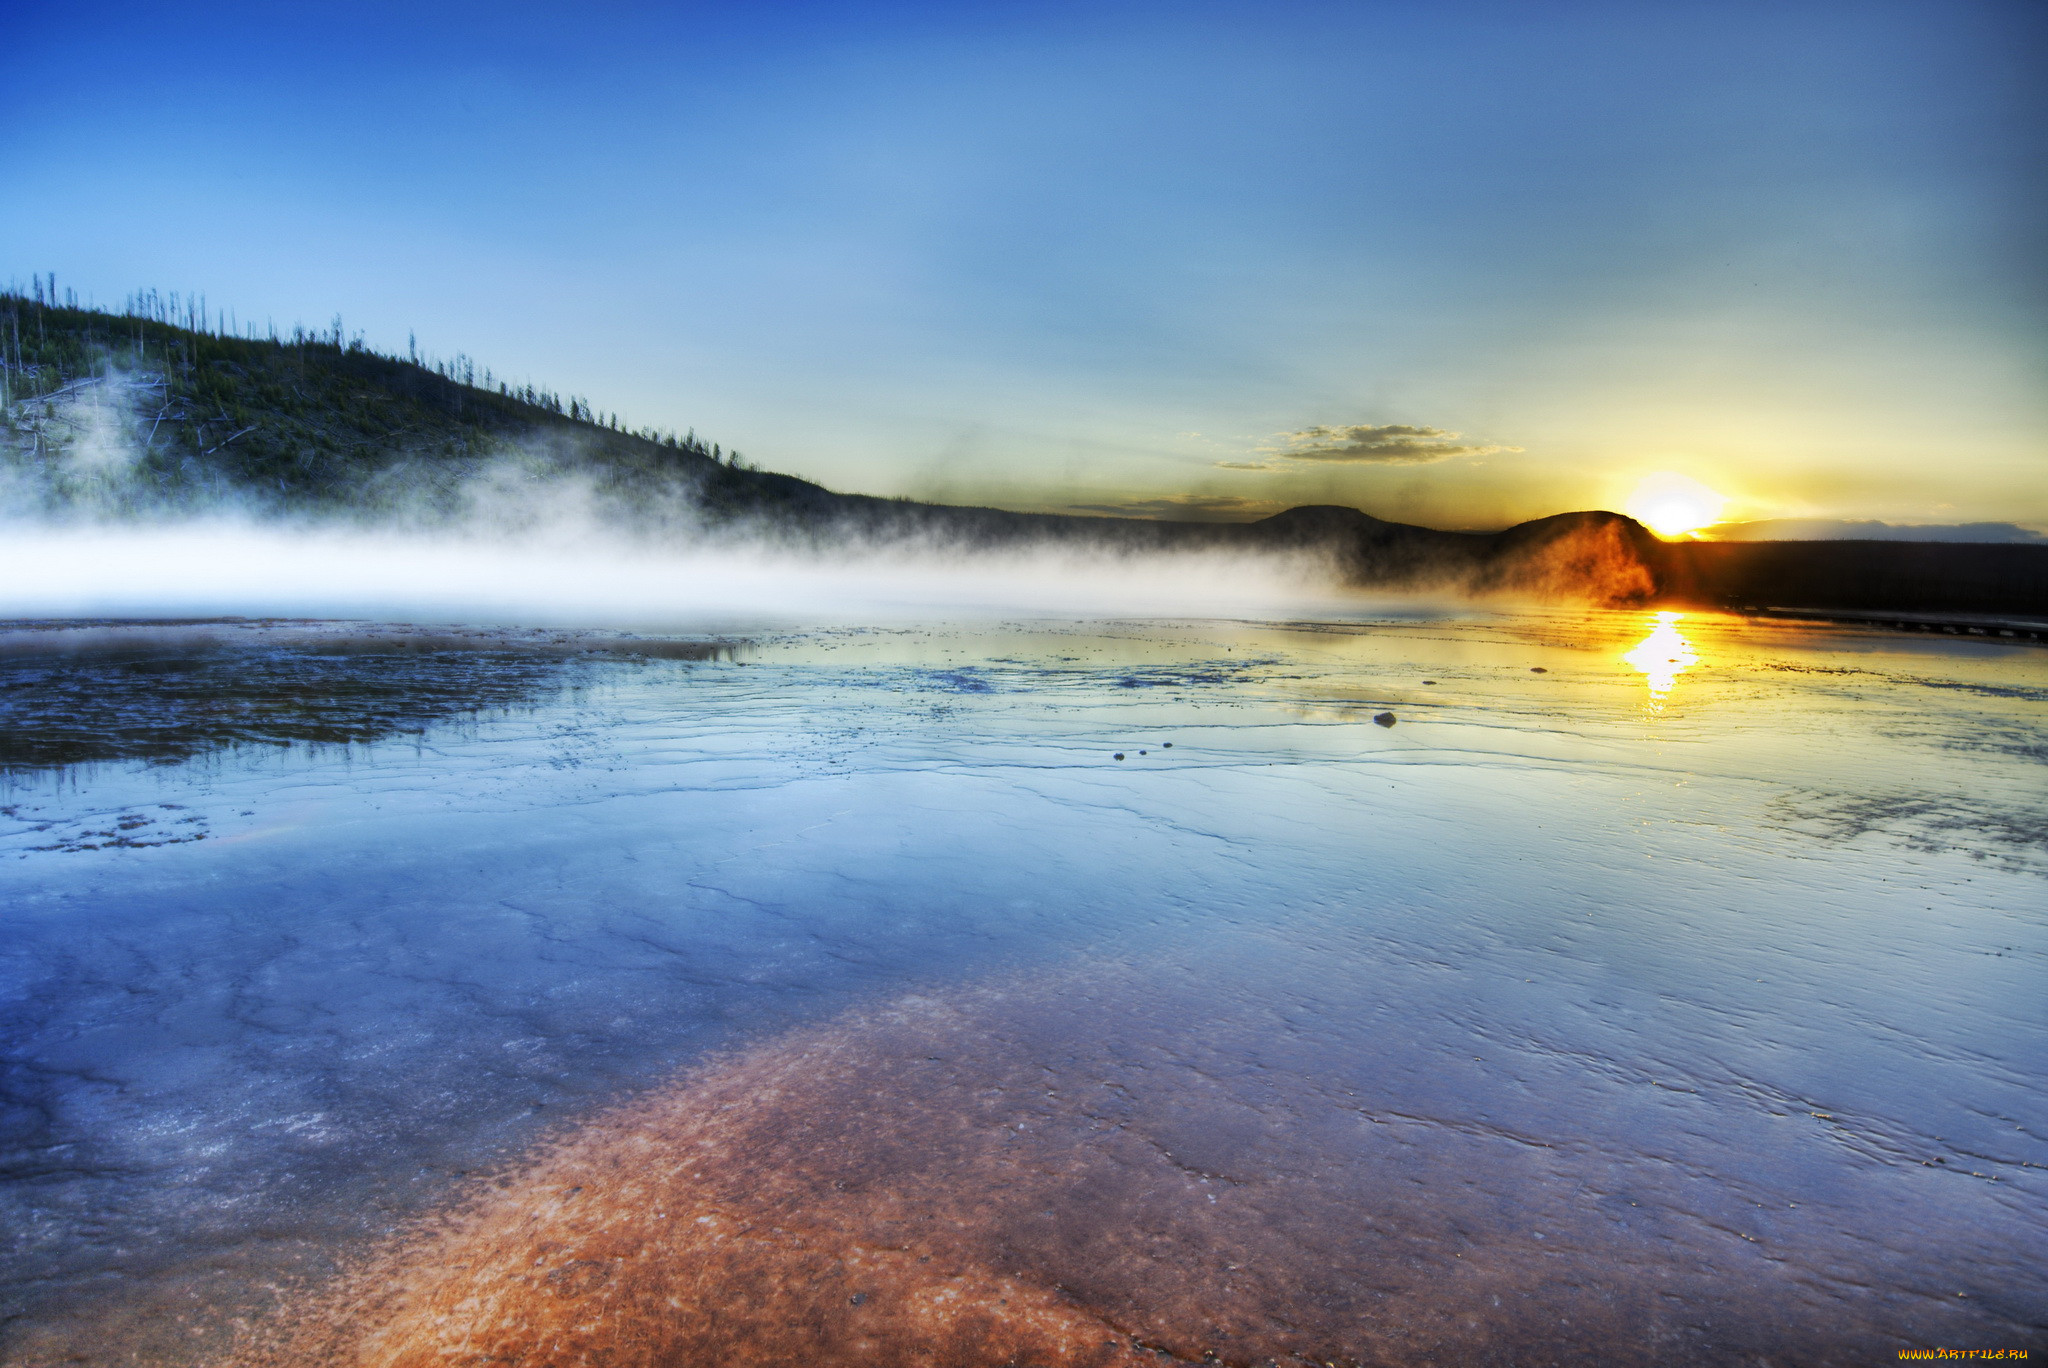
{"x": 1655, "y": 989}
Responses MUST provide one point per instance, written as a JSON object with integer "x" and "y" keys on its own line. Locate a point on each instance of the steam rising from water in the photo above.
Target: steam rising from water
{"x": 562, "y": 575}
{"x": 553, "y": 528}
{"x": 530, "y": 535}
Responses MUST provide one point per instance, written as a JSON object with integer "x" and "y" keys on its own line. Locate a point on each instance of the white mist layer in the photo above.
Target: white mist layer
{"x": 532, "y": 536}
{"x": 237, "y": 568}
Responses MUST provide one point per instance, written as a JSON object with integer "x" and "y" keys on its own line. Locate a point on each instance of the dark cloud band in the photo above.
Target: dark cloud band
{"x": 1188, "y": 507}
{"x": 1371, "y": 444}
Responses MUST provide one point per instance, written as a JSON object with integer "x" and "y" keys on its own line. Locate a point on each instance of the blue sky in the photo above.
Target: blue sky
{"x": 1125, "y": 254}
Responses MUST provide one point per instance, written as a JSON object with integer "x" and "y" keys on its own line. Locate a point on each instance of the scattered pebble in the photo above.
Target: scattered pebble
{"x": 1384, "y": 719}
{"x": 1166, "y": 745}
{"x": 1119, "y": 755}
{"x": 1429, "y": 681}
{"x": 1537, "y": 669}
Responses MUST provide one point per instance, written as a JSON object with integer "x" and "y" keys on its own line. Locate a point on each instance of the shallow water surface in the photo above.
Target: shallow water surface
{"x": 1583, "y": 988}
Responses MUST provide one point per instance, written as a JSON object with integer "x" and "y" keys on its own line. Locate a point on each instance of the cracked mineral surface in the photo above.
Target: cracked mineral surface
{"x": 1660, "y": 991}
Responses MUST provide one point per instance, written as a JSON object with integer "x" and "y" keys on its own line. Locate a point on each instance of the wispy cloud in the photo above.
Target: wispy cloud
{"x": 1186, "y": 508}
{"x": 1366, "y": 443}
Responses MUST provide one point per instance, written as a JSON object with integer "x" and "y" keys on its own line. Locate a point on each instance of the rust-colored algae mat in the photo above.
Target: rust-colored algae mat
{"x": 1026, "y": 1177}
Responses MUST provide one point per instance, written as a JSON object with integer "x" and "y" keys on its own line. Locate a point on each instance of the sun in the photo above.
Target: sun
{"x": 1672, "y": 505}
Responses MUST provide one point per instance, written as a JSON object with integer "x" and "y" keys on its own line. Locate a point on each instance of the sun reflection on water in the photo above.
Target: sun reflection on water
{"x": 1662, "y": 656}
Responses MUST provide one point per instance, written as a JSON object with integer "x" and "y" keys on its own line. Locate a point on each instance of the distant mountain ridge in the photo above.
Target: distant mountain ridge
{"x": 1846, "y": 529}
{"x": 144, "y": 412}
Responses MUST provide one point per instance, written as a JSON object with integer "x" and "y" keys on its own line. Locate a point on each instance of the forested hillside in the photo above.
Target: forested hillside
{"x": 160, "y": 406}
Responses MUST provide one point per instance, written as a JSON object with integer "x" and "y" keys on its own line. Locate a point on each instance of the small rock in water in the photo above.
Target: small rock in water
{"x": 1537, "y": 669}
{"x": 1142, "y": 752}
{"x": 1166, "y": 745}
{"x": 1119, "y": 755}
{"x": 1384, "y": 719}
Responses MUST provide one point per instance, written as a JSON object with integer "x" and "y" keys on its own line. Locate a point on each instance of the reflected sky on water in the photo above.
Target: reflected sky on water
{"x": 1649, "y": 990}
{"x": 1662, "y": 656}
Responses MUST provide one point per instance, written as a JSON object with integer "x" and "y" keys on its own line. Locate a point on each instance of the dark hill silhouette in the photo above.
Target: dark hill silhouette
{"x": 2001, "y": 580}
{"x": 322, "y": 425}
